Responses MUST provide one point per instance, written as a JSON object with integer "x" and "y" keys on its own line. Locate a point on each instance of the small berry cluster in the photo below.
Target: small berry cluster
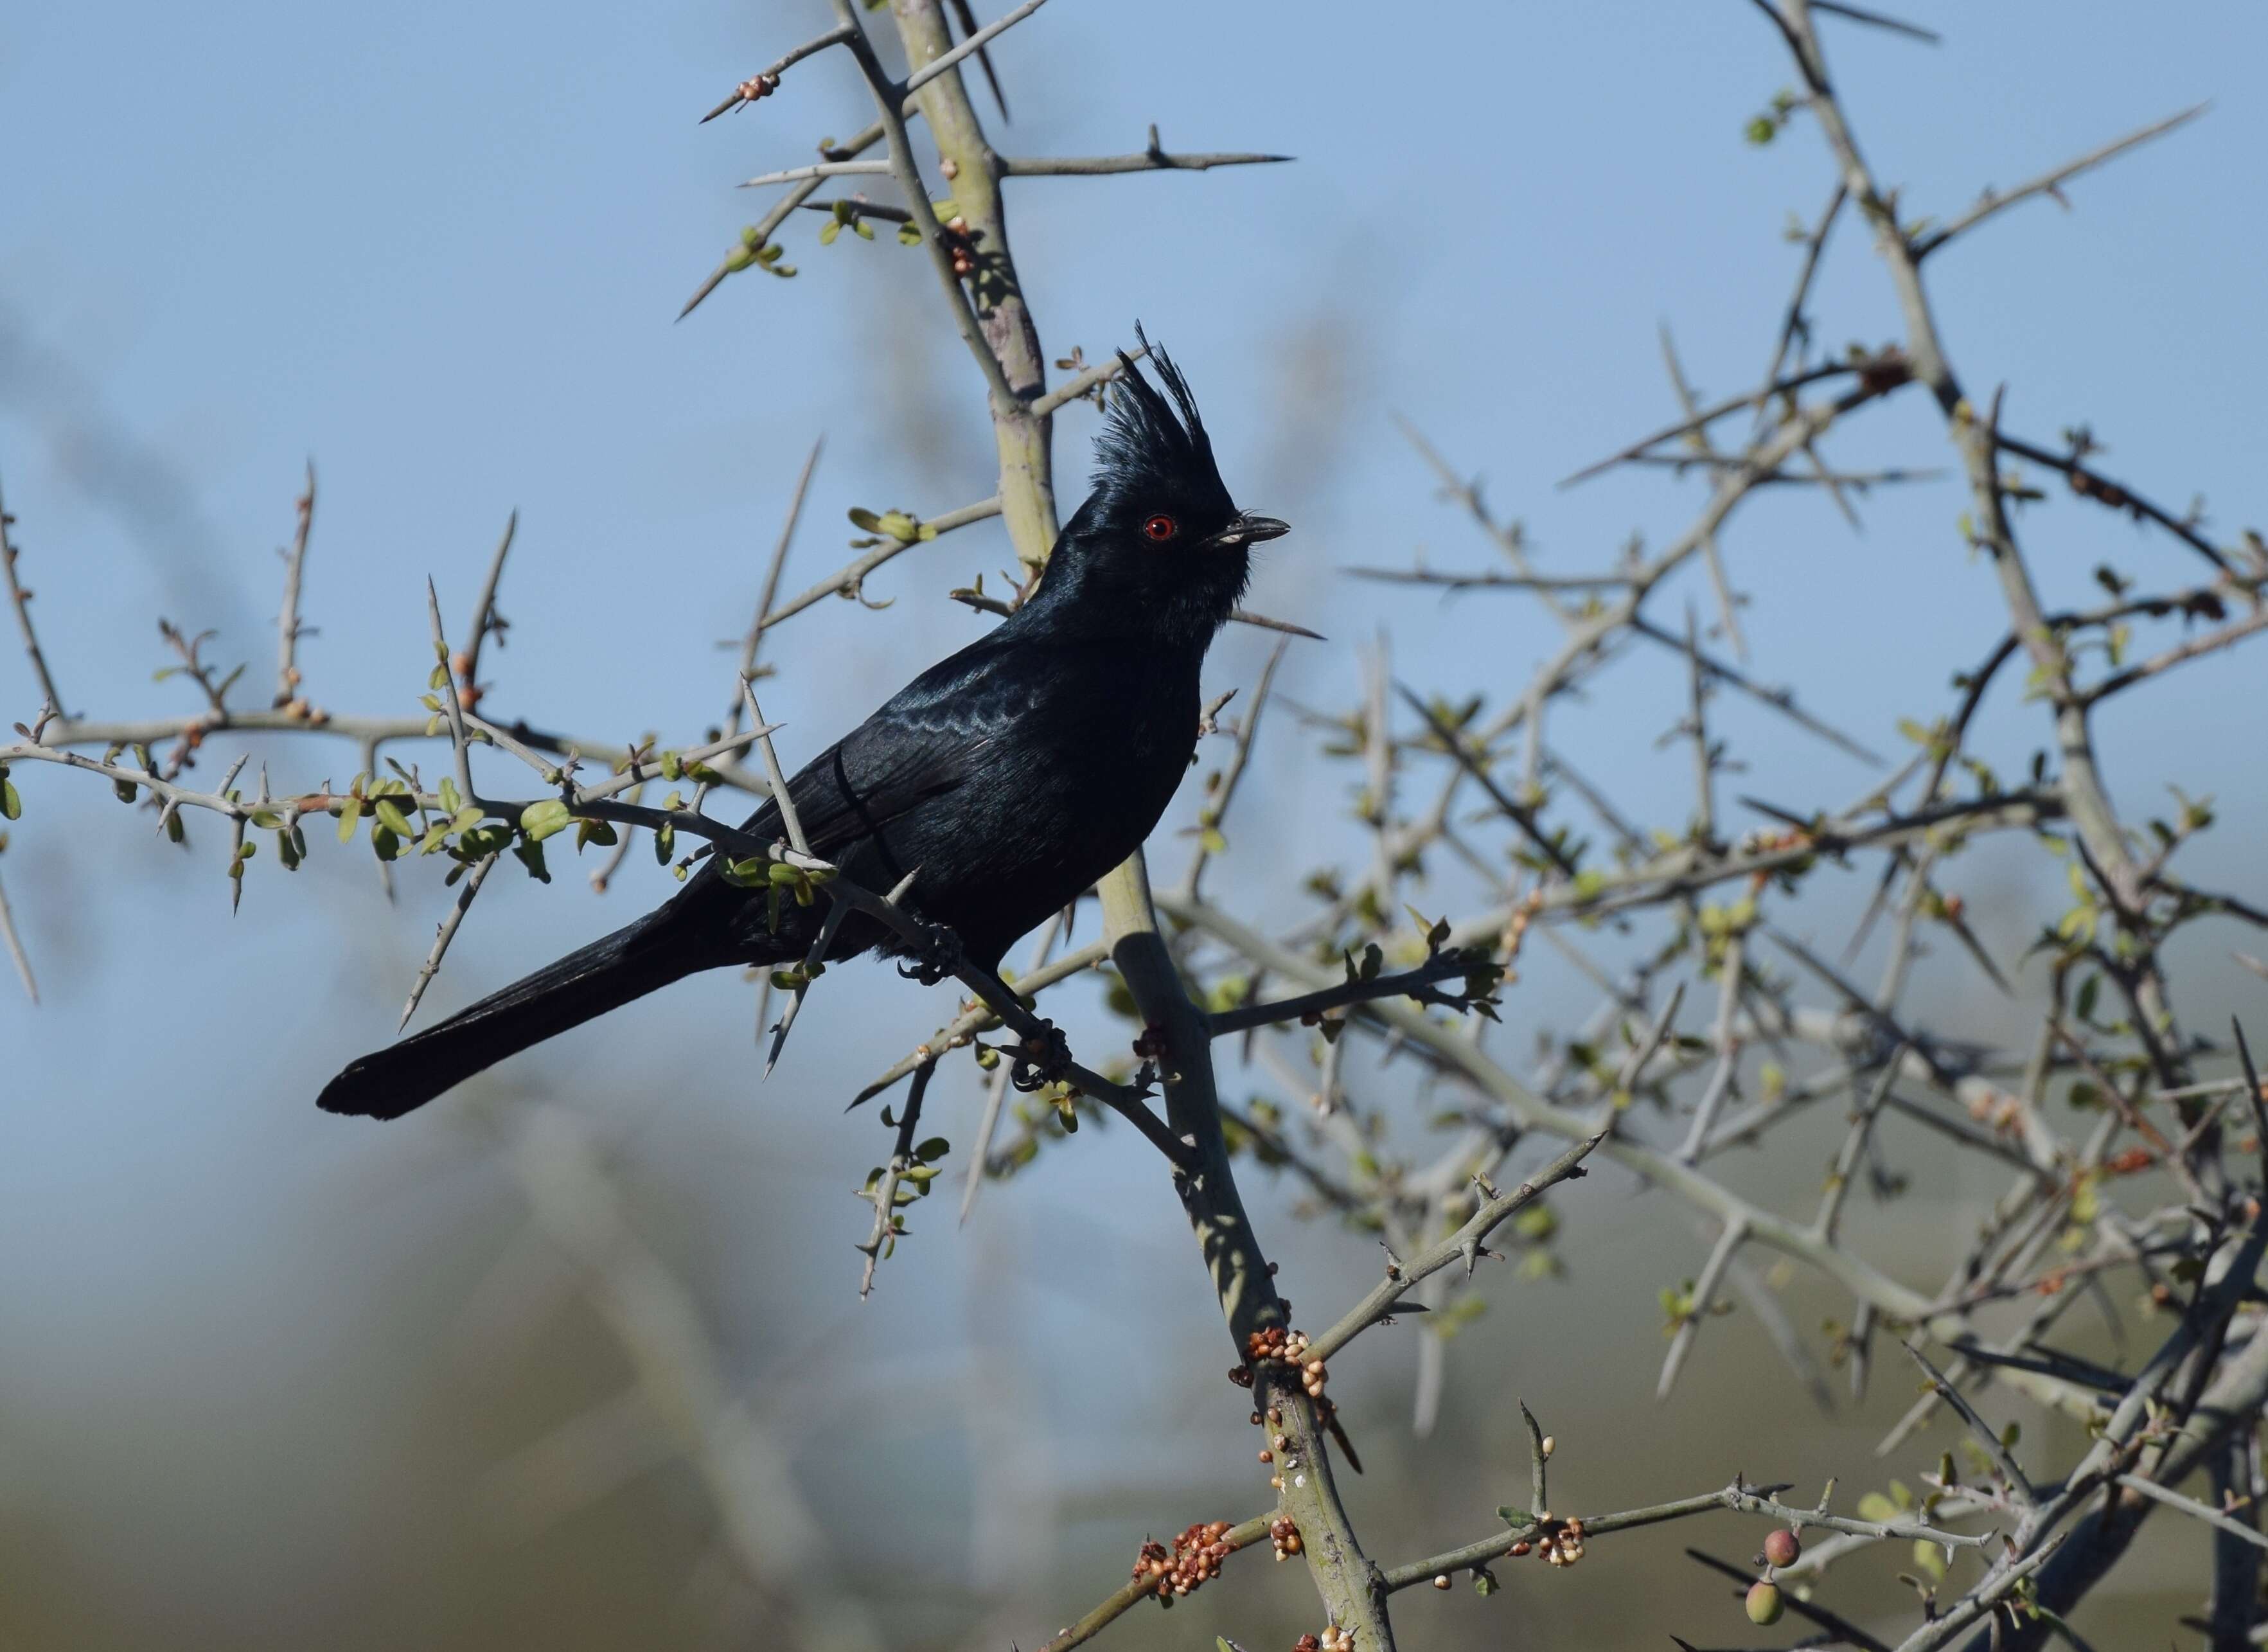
{"x": 1559, "y": 1543}
{"x": 1278, "y": 1345}
{"x": 1285, "y": 1535}
{"x": 1332, "y": 1640}
{"x": 961, "y": 244}
{"x": 1194, "y": 1558}
{"x": 759, "y": 86}
{"x": 2087, "y": 485}
{"x": 461, "y": 667}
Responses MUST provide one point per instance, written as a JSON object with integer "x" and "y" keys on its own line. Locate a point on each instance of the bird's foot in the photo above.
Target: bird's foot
{"x": 939, "y": 956}
{"x": 1041, "y": 1059}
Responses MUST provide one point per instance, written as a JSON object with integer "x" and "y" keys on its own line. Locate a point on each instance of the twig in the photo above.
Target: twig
{"x": 1736, "y": 1497}
{"x": 973, "y": 44}
{"x": 1705, "y": 1288}
{"x": 770, "y": 588}
{"x": 432, "y": 967}
{"x": 996, "y": 1093}
{"x": 1410, "y": 984}
{"x": 884, "y": 1190}
{"x": 287, "y": 619}
{"x": 1128, "y": 1596}
{"x": 783, "y": 797}
{"x": 765, "y": 81}
{"x": 15, "y": 944}
{"x": 1464, "y": 1245}
{"x": 485, "y": 618}
{"x": 2020, "y": 1484}
{"x": 20, "y": 600}
{"x": 2047, "y": 183}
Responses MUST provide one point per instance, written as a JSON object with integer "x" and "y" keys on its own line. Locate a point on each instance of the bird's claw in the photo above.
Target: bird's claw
{"x": 939, "y": 956}
{"x": 1041, "y": 1059}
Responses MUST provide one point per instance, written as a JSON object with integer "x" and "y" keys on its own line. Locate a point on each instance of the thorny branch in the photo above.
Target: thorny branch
{"x": 2143, "y": 1183}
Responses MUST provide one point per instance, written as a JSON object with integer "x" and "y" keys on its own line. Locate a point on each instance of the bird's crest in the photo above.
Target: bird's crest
{"x": 1149, "y": 442}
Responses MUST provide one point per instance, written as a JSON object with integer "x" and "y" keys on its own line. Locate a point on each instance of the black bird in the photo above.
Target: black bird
{"x": 1007, "y": 777}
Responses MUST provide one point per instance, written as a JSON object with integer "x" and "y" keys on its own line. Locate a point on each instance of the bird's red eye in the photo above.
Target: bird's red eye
{"x": 1160, "y": 529}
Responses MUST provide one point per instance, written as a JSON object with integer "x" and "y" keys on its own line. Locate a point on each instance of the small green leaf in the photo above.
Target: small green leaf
{"x": 390, "y": 816}
{"x": 539, "y": 820}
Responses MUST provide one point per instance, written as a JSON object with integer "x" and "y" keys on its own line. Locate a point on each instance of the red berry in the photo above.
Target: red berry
{"x": 1782, "y": 1547}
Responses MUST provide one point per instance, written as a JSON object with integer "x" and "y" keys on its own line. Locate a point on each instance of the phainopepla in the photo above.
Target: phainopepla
{"x": 1007, "y": 777}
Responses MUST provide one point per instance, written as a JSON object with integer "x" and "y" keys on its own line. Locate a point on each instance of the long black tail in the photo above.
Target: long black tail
{"x": 604, "y": 975}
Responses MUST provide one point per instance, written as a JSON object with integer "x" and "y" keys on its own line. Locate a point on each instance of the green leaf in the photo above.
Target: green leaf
{"x": 390, "y": 816}
{"x": 539, "y": 820}
{"x": 350, "y": 817}
{"x": 829, "y": 231}
{"x": 11, "y": 805}
{"x": 452, "y": 801}
{"x": 530, "y": 851}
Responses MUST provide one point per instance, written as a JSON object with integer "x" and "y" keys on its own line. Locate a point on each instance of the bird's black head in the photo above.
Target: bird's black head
{"x": 1159, "y": 542}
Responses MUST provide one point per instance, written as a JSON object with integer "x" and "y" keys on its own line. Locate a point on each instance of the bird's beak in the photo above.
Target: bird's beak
{"x": 1248, "y": 529}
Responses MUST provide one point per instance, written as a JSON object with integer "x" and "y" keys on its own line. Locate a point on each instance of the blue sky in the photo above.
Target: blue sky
{"x": 439, "y": 249}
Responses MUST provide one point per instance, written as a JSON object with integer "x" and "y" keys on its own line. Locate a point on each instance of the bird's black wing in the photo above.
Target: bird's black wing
{"x": 926, "y": 740}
